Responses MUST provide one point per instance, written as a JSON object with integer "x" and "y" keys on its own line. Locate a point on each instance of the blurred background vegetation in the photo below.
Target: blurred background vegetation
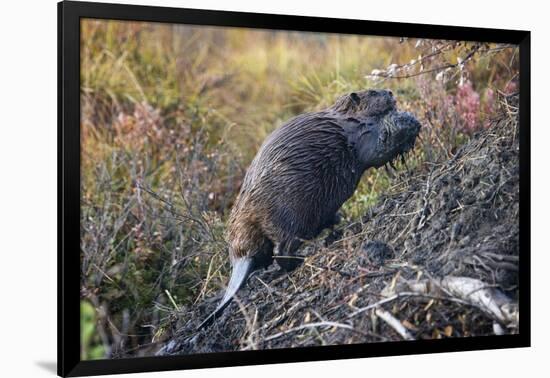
{"x": 171, "y": 116}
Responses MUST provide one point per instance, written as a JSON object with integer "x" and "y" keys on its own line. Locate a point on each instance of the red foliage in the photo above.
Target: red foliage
{"x": 467, "y": 102}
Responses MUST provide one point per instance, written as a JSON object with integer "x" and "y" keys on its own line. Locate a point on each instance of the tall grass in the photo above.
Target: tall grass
{"x": 171, "y": 116}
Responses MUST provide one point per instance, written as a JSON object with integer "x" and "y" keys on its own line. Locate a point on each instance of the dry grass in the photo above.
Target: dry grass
{"x": 171, "y": 117}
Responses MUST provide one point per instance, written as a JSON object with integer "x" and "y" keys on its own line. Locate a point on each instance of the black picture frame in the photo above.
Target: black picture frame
{"x": 69, "y": 15}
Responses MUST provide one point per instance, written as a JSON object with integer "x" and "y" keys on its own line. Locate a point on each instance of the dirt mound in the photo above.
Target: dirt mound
{"x": 406, "y": 271}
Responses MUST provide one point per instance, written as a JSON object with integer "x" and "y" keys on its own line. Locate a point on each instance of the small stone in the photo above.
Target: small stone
{"x": 378, "y": 252}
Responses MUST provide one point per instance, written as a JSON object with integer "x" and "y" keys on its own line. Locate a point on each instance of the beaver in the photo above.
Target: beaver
{"x": 303, "y": 173}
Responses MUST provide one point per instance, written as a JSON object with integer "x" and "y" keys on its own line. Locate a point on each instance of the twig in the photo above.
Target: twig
{"x": 405, "y": 294}
{"x": 461, "y": 62}
{"x": 393, "y": 322}
{"x": 310, "y": 325}
{"x": 425, "y": 199}
{"x": 328, "y": 269}
{"x": 176, "y": 307}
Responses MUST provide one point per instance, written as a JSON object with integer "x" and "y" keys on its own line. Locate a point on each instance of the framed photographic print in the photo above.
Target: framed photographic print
{"x": 239, "y": 188}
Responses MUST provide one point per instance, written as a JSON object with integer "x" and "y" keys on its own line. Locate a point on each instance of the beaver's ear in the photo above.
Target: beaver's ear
{"x": 354, "y": 97}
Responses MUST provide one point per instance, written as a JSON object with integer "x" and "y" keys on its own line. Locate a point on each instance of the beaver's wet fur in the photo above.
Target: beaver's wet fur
{"x": 303, "y": 173}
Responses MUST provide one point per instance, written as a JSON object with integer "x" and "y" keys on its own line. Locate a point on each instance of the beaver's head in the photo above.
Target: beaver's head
{"x": 380, "y": 133}
{"x": 364, "y": 103}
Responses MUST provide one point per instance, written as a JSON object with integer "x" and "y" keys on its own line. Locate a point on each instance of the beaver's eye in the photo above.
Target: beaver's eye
{"x": 366, "y": 125}
{"x": 355, "y": 98}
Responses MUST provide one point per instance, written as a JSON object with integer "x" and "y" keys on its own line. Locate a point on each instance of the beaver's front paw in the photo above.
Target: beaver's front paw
{"x": 289, "y": 263}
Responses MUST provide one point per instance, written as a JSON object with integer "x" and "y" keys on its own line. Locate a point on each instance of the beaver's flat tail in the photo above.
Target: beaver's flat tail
{"x": 241, "y": 270}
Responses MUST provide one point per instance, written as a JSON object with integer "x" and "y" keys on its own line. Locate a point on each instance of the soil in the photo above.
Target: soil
{"x": 459, "y": 218}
